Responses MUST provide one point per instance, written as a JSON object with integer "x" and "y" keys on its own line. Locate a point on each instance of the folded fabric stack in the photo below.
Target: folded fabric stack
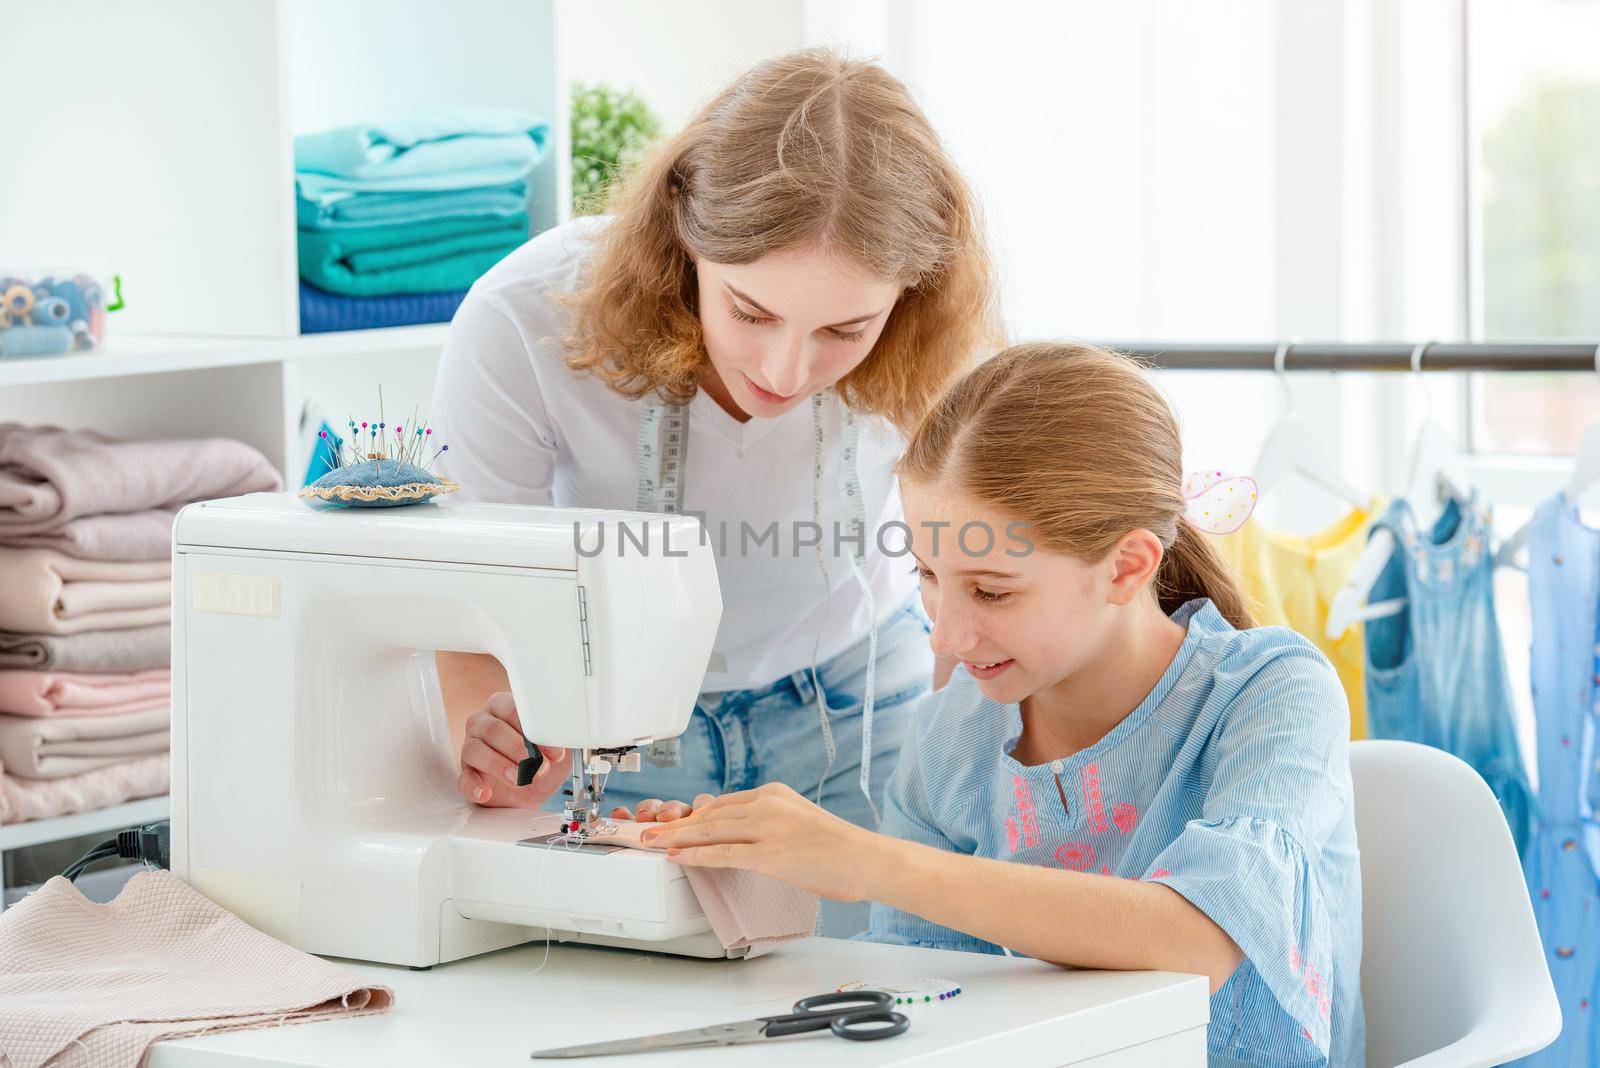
{"x": 398, "y": 219}
{"x": 86, "y": 608}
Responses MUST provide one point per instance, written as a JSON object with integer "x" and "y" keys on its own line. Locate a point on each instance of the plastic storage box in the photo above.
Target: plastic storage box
{"x": 46, "y": 311}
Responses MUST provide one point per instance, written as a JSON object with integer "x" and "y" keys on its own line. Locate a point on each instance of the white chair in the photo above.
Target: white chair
{"x": 1452, "y": 971}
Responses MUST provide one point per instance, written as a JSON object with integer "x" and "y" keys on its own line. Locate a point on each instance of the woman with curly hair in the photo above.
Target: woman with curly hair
{"x": 793, "y": 279}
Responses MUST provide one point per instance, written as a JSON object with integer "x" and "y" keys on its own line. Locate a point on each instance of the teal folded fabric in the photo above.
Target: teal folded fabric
{"x": 340, "y": 210}
{"x": 450, "y": 149}
{"x": 424, "y": 257}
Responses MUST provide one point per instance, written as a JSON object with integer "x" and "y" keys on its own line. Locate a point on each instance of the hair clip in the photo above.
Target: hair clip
{"x": 1217, "y": 502}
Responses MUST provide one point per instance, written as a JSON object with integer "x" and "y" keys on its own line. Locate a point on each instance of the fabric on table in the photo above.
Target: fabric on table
{"x": 128, "y": 649}
{"x": 41, "y": 747}
{"x": 321, "y": 311}
{"x": 145, "y": 535}
{"x": 66, "y": 693}
{"x": 49, "y": 476}
{"x": 91, "y": 985}
{"x": 337, "y": 211}
{"x": 38, "y": 799}
{"x": 1291, "y": 580}
{"x": 745, "y": 908}
{"x": 46, "y": 592}
{"x": 425, "y": 257}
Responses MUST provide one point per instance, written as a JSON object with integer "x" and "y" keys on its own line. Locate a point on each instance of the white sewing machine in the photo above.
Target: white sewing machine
{"x": 313, "y": 783}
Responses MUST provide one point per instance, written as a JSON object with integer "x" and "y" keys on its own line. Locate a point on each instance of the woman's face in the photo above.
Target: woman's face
{"x": 789, "y": 325}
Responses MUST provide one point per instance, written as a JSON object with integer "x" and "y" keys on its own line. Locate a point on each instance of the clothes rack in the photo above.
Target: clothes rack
{"x": 1369, "y": 356}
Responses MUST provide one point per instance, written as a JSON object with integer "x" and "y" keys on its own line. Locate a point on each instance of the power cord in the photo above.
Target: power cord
{"x": 149, "y": 844}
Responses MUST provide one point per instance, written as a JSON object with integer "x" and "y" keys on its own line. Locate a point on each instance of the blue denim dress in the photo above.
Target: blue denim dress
{"x": 1564, "y": 586}
{"x": 1435, "y": 672}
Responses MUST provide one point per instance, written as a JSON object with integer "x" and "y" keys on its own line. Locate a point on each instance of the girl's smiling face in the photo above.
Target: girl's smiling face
{"x": 1019, "y": 617}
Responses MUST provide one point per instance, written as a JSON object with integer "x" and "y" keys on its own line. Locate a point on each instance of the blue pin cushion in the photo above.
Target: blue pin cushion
{"x": 377, "y": 483}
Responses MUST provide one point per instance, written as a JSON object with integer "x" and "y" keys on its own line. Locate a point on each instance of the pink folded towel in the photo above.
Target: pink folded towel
{"x": 129, "y": 649}
{"x": 143, "y": 535}
{"x": 64, "y": 693}
{"x": 88, "y": 984}
{"x": 50, "y": 476}
{"x": 745, "y": 908}
{"x": 46, "y": 592}
{"x": 38, "y": 799}
{"x": 54, "y": 747}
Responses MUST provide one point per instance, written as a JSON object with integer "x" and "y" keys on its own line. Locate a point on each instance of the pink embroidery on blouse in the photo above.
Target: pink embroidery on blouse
{"x": 1294, "y": 959}
{"x": 1075, "y": 856}
{"x": 1027, "y": 816}
{"x": 1124, "y": 816}
{"x": 1011, "y": 833}
{"x": 1105, "y": 869}
{"x": 1092, "y": 803}
{"x": 1160, "y": 873}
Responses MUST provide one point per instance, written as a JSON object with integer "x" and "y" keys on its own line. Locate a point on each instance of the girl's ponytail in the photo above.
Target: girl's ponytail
{"x": 1191, "y": 568}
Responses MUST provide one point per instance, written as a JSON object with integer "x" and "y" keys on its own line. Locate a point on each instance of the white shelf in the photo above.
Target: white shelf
{"x": 131, "y": 814}
{"x": 157, "y": 354}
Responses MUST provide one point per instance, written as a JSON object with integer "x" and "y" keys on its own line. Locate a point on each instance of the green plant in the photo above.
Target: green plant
{"x": 611, "y": 128}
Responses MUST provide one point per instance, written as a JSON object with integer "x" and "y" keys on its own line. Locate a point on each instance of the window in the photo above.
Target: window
{"x": 1534, "y": 87}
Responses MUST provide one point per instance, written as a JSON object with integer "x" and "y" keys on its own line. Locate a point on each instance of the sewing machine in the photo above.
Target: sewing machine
{"x": 314, "y": 784}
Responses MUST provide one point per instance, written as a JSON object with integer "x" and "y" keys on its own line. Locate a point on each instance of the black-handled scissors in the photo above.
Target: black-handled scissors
{"x": 858, "y": 1015}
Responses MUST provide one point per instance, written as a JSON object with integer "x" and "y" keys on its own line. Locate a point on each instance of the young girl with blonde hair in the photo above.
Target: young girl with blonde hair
{"x": 1121, "y": 773}
{"x": 781, "y": 291}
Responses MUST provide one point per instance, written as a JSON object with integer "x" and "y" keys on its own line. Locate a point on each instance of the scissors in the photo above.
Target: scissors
{"x": 854, "y": 1015}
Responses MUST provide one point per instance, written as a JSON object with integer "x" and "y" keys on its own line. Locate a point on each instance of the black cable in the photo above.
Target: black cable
{"x": 148, "y": 844}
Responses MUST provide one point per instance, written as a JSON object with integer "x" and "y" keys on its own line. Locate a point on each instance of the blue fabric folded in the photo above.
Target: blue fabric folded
{"x": 337, "y": 211}
{"x": 449, "y": 149}
{"x": 321, "y": 312}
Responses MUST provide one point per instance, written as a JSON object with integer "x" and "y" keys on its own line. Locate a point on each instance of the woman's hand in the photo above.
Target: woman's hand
{"x": 775, "y": 831}
{"x": 489, "y": 756}
{"x": 654, "y": 810}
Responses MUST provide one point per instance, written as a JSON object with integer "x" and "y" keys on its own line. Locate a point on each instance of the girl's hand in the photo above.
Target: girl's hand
{"x": 775, "y": 831}
{"x": 652, "y": 810}
{"x": 489, "y": 757}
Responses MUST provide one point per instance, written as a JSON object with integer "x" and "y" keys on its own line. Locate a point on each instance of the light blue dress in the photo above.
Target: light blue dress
{"x": 1564, "y": 588}
{"x": 1435, "y": 671}
{"x": 1230, "y": 783}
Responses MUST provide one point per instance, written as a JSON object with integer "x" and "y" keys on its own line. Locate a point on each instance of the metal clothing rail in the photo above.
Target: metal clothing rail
{"x": 1378, "y": 356}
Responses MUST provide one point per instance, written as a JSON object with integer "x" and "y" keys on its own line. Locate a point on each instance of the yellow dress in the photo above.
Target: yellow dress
{"x": 1291, "y": 580}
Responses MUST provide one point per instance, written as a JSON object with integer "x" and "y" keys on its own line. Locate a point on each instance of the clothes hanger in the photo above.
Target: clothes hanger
{"x": 1585, "y": 474}
{"x": 1437, "y": 476}
{"x": 1293, "y": 447}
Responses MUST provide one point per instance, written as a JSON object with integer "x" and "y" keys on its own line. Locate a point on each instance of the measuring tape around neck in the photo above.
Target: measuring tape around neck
{"x": 660, "y": 452}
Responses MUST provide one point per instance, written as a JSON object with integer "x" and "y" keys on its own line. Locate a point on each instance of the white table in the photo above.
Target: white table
{"x": 498, "y": 1008}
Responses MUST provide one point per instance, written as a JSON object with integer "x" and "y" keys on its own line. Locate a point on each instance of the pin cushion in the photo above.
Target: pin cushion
{"x": 367, "y": 470}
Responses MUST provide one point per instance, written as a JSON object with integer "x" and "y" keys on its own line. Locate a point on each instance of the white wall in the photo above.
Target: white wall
{"x": 675, "y": 55}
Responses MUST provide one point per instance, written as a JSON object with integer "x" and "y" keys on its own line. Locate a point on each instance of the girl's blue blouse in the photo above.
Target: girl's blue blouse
{"x": 1230, "y": 783}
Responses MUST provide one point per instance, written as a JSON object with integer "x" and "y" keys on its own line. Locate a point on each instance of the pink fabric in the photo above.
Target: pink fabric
{"x": 745, "y": 908}
{"x": 50, "y": 476}
{"x": 143, "y": 535}
{"x": 65, "y": 693}
{"x": 95, "y": 985}
{"x": 37, "y": 799}
{"x": 54, "y": 747}
{"x": 45, "y": 592}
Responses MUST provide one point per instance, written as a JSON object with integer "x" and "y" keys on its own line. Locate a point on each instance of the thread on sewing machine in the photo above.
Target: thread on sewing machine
{"x": 568, "y": 841}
